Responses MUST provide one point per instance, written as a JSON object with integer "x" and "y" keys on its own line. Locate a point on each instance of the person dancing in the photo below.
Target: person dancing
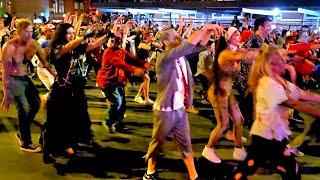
{"x": 273, "y": 96}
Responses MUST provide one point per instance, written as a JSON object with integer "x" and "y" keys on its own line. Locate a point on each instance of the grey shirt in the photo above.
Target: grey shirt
{"x": 167, "y": 74}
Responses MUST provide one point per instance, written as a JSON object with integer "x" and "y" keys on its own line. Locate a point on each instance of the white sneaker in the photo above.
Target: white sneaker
{"x": 209, "y": 154}
{"x": 205, "y": 102}
{"x": 230, "y": 137}
{"x": 139, "y": 100}
{"x": 239, "y": 154}
{"x": 149, "y": 101}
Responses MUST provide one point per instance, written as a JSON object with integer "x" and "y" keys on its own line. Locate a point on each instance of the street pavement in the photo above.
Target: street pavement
{"x": 120, "y": 155}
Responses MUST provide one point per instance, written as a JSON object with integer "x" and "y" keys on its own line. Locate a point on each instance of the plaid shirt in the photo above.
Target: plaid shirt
{"x": 241, "y": 79}
{"x": 115, "y": 66}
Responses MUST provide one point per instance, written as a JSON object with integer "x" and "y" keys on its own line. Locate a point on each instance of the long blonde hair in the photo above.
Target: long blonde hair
{"x": 261, "y": 66}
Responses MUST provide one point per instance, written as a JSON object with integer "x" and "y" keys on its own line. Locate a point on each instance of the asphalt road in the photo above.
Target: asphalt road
{"x": 121, "y": 155}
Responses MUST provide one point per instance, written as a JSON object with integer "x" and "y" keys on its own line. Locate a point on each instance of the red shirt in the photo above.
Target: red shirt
{"x": 302, "y": 49}
{"x": 115, "y": 66}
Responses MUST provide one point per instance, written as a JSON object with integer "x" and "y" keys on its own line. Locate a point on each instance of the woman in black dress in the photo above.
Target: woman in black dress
{"x": 68, "y": 121}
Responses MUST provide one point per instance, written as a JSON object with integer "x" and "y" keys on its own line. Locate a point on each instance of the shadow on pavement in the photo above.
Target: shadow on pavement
{"x": 102, "y": 162}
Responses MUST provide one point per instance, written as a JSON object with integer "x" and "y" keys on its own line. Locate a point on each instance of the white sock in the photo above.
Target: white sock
{"x": 150, "y": 172}
{"x": 194, "y": 177}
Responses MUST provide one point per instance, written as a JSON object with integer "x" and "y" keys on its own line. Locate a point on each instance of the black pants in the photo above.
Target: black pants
{"x": 68, "y": 121}
{"x": 27, "y": 103}
{"x": 246, "y": 107}
{"x": 204, "y": 83}
{"x": 262, "y": 151}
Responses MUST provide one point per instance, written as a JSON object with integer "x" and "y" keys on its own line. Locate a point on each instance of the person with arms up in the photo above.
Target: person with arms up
{"x": 273, "y": 98}
{"x": 175, "y": 86}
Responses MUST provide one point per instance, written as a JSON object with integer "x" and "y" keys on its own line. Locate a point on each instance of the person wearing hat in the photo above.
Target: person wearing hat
{"x": 144, "y": 51}
{"x": 233, "y": 38}
{"x": 46, "y": 78}
{"x": 44, "y": 75}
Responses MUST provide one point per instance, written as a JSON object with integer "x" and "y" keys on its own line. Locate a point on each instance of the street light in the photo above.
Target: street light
{"x": 276, "y": 11}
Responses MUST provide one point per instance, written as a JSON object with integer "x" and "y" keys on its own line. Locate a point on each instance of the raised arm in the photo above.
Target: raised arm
{"x": 69, "y": 46}
{"x": 203, "y": 35}
{"x": 115, "y": 24}
{"x": 78, "y": 25}
{"x": 13, "y": 21}
{"x": 76, "y": 42}
{"x": 129, "y": 24}
{"x": 181, "y": 25}
{"x": 98, "y": 42}
{"x": 189, "y": 30}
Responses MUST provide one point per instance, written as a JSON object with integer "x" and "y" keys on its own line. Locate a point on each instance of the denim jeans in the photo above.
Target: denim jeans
{"x": 117, "y": 108}
{"x": 27, "y": 101}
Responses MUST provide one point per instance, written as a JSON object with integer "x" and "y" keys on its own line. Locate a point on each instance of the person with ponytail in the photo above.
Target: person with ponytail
{"x": 224, "y": 104}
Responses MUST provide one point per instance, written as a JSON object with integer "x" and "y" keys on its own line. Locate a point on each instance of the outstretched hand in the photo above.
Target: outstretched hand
{"x": 215, "y": 28}
{"x": 181, "y": 21}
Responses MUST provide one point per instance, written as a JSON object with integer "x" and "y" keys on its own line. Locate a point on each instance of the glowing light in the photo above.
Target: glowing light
{"x": 276, "y": 11}
{"x": 273, "y": 26}
{"x": 288, "y": 33}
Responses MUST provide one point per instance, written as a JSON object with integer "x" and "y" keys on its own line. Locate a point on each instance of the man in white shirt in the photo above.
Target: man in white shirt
{"x": 204, "y": 66}
{"x": 175, "y": 87}
{"x": 44, "y": 75}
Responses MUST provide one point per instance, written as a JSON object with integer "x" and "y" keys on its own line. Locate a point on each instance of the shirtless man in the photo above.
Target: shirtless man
{"x": 17, "y": 86}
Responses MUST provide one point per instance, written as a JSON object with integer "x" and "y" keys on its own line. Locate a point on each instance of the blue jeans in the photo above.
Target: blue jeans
{"x": 27, "y": 101}
{"x": 117, "y": 108}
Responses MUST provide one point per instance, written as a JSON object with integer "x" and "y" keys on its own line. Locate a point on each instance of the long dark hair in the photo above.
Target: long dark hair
{"x": 221, "y": 45}
{"x": 60, "y": 35}
{"x": 59, "y": 39}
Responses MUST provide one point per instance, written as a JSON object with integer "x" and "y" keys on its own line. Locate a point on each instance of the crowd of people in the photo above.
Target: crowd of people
{"x": 251, "y": 76}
